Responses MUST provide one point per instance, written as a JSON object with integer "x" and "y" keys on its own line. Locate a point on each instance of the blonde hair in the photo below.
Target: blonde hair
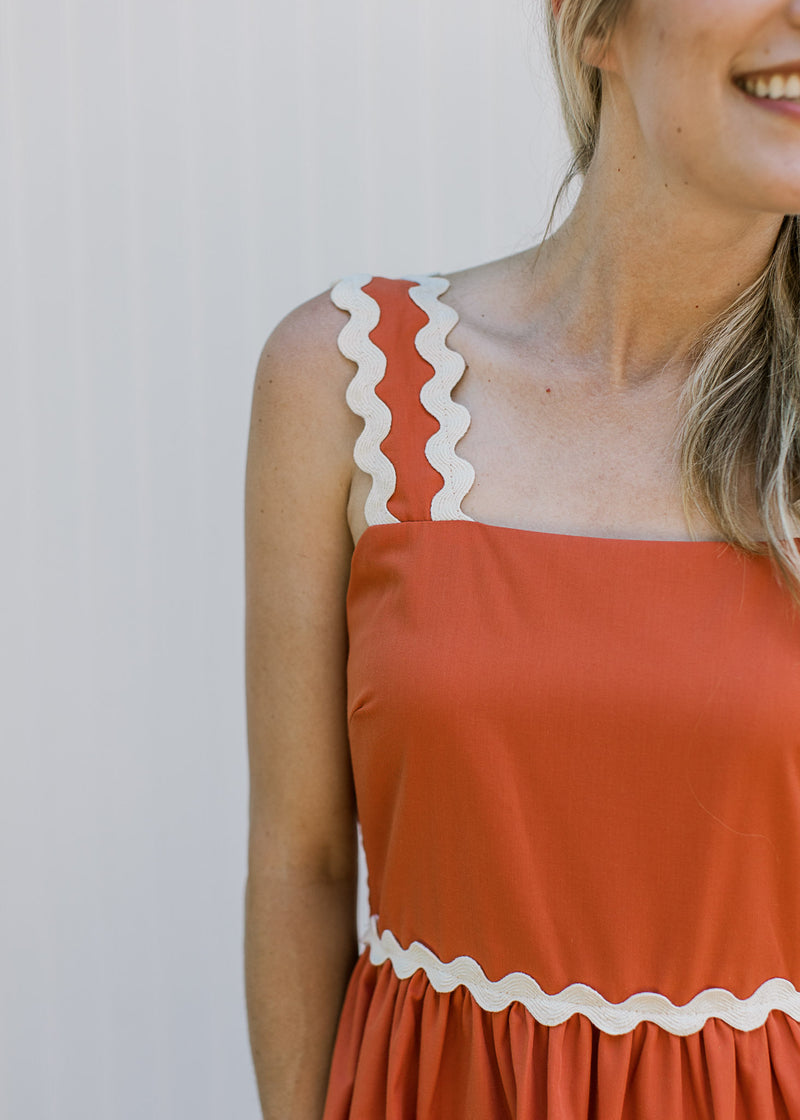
{"x": 740, "y": 404}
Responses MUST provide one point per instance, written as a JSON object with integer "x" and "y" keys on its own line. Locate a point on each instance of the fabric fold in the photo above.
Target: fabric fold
{"x": 407, "y": 1052}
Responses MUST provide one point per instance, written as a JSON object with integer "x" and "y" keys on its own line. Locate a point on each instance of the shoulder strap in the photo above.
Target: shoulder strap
{"x": 401, "y": 388}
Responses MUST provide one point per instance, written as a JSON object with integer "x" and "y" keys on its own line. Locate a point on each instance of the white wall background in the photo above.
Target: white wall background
{"x": 175, "y": 175}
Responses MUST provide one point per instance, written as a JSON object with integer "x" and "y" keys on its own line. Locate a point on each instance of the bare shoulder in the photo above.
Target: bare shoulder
{"x": 300, "y": 454}
{"x": 490, "y": 296}
{"x": 303, "y": 375}
{"x": 310, "y": 332}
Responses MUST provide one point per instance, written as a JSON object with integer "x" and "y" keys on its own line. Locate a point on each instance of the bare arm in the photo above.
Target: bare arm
{"x": 300, "y": 902}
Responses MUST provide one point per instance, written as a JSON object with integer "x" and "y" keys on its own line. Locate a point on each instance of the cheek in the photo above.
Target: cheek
{"x": 704, "y": 137}
{"x": 681, "y": 99}
{"x": 671, "y": 53}
{"x": 694, "y": 127}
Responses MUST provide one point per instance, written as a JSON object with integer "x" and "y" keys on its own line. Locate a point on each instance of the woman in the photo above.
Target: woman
{"x": 558, "y": 667}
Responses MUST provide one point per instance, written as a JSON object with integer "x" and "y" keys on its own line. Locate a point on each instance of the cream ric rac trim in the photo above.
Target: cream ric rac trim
{"x": 448, "y": 366}
{"x": 613, "y": 1018}
{"x": 355, "y": 343}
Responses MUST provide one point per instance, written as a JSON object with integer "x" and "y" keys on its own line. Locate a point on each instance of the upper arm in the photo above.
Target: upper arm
{"x": 297, "y": 558}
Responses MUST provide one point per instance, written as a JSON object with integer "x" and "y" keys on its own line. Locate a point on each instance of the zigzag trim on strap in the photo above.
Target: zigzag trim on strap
{"x": 355, "y": 343}
{"x": 613, "y": 1018}
{"x": 458, "y": 475}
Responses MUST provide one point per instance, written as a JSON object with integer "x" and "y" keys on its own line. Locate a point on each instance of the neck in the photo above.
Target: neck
{"x": 640, "y": 267}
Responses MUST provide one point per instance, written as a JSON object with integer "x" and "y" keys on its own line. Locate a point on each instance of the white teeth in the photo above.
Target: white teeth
{"x": 776, "y": 86}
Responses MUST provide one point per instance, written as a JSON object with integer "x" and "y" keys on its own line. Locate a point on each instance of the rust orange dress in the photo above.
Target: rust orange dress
{"x": 577, "y": 768}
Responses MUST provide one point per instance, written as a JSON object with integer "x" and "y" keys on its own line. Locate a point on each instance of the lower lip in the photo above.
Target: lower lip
{"x": 785, "y": 108}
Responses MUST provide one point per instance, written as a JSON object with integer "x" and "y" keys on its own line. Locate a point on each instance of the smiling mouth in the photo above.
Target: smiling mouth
{"x": 771, "y": 86}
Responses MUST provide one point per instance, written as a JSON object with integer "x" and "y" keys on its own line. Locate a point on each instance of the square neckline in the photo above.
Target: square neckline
{"x": 542, "y": 533}
{"x": 544, "y": 537}
{"x": 453, "y": 417}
